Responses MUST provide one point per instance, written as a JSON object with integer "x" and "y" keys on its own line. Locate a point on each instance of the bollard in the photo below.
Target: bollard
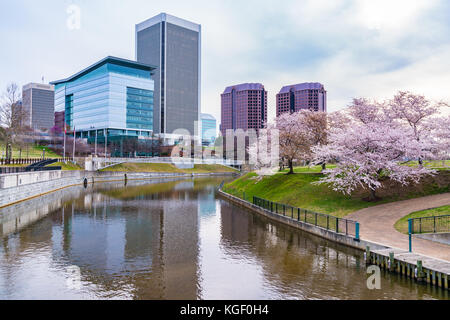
{"x": 367, "y": 255}
{"x": 420, "y": 274}
{"x": 391, "y": 261}
{"x": 357, "y": 232}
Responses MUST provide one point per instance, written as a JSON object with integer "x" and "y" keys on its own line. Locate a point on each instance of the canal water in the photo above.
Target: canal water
{"x": 173, "y": 239}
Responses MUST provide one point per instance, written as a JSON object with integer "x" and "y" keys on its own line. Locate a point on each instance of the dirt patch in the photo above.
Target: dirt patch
{"x": 438, "y": 183}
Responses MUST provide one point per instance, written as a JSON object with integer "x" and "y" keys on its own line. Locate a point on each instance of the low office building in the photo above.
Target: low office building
{"x": 209, "y": 129}
{"x": 38, "y": 101}
{"x": 110, "y": 101}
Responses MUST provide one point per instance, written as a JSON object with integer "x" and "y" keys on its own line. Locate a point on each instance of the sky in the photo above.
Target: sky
{"x": 361, "y": 48}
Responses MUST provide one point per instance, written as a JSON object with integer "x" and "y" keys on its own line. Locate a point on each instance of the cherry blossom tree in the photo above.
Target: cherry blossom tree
{"x": 419, "y": 113}
{"x": 373, "y": 147}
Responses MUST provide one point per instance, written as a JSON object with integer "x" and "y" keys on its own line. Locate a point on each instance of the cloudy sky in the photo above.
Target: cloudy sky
{"x": 355, "y": 48}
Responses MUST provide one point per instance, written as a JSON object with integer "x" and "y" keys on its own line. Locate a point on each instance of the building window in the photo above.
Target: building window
{"x": 69, "y": 111}
{"x": 139, "y": 109}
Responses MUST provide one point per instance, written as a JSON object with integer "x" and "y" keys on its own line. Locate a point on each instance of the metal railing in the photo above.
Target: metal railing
{"x": 435, "y": 224}
{"x": 335, "y": 224}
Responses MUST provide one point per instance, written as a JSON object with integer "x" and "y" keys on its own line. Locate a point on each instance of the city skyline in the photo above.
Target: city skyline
{"x": 358, "y": 42}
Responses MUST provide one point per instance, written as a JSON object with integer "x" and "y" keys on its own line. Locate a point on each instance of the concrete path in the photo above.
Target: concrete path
{"x": 377, "y": 225}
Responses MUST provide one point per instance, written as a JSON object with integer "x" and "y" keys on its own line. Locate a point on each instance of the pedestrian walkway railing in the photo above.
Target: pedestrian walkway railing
{"x": 436, "y": 224}
{"x": 335, "y": 224}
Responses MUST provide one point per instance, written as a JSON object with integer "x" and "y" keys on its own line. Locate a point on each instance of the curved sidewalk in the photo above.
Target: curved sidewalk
{"x": 377, "y": 225}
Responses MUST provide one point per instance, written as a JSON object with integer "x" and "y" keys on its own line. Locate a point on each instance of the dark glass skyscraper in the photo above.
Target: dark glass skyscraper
{"x": 174, "y": 46}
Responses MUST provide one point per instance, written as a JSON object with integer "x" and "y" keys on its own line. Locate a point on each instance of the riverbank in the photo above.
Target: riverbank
{"x": 19, "y": 187}
{"x": 419, "y": 267}
{"x": 168, "y": 167}
{"x": 299, "y": 190}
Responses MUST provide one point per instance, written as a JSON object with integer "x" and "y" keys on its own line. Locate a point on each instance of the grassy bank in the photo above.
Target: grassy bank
{"x": 34, "y": 151}
{"x": 298, "y": 190}
{"x": 69, "y": 166}
{"x": 167, "y": 167}
{"x": 402, "y": 224}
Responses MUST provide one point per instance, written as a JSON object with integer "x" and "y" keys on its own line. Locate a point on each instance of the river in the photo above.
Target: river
{"x": 173, "y": 239}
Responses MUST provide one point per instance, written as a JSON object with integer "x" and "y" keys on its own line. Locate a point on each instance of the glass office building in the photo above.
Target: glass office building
{"x": 112, "y": 98}
{"x": 209, "y": 129}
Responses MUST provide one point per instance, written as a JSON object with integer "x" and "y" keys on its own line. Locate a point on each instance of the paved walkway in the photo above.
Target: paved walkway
{"x": 377, "y": 225}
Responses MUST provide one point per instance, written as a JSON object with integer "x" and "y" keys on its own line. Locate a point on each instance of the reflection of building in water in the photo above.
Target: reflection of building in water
{"x": 146, "y": 245}
{"x": 151, "y": 244}
{"x": 207, "y": 203}
{"x": 236, "y": 224}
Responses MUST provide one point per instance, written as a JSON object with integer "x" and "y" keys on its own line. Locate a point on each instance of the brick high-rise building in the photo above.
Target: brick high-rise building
{"x": 303, "y": 96}
{"x": 244, "y": 106}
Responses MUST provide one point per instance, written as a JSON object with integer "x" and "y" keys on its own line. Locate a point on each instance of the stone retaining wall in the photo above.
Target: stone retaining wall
{"x": 318, "y": 231}
{"x": 18, "y": 187}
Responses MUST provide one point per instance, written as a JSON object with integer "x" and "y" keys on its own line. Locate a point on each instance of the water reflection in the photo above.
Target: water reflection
{"x": 171, "y": 239}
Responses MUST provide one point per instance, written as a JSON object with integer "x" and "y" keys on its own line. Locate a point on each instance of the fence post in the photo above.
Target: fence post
{"x": 337, "y": 225}
{"x": 315, "y": 217}
{"x": 434, "y": 223}
{"x": 298, "y": 212}
{"x": 357, "y": 231}
{"x": 410, "y": 229}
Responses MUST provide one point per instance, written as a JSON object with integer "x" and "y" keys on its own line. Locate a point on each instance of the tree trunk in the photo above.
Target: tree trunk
{"x": 420, "y": 162}
{"x": 291, "y": 167}
{"x": 324, "y": 166}
{"x": 373, "y": 195}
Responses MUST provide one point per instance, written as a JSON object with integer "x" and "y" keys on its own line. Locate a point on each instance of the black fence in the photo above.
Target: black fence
{"x": 338, "y": 225}
{"x": 40, "y": 165}
{"x": 6, "y": 170}
{"x": 436, "y": 224}
{"x": 18, "y": 161}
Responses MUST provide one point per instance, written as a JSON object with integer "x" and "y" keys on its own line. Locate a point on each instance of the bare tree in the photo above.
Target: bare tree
{"x": 12, "y": 117}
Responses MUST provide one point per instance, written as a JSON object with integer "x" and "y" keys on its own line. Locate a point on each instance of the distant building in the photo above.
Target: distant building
{"x": 244, "y": 106}
{"x": 209, "y": 129}
{"x": 113, "y": 98}
{"x": 59, "y": 120}
{"x": 304, "y": 96}
{"x": 38, "y": 102}
{"x": 173, "y": 45}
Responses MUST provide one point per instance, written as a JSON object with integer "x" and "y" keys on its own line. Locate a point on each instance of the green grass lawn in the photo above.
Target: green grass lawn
{"x": 306, "y": 169}
{"x": 297, "y": 190}
{"x": 167, "y": 167}
{"x": 402, "y": 224}
{"x": 34, "y": 151}
{"x": 69, "y": 166}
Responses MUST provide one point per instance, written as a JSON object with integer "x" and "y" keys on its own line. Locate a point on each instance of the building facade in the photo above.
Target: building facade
{"x": 209, "y": 129}
{"x": 38, "y": 102}
{"x": 111, "y": 99}
{"x": 173, "y": 45}
{"x": 303, "y": 96}
{"x": 244, "y": 106}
